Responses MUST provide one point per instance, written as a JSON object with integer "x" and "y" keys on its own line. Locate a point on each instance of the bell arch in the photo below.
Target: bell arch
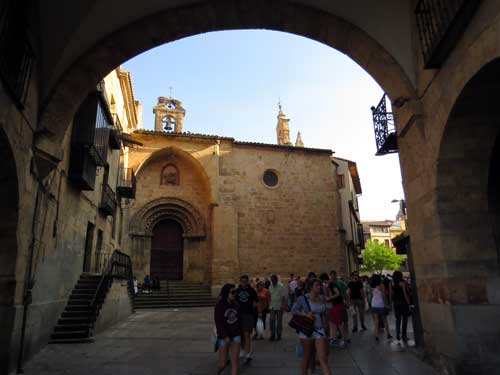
{"x": 166, "y": 26}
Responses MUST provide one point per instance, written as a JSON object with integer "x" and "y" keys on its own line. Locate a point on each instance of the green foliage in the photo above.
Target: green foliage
{"x": 378, "y": 257}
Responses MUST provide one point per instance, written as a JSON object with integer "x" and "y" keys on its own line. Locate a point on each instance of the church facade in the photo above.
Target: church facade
{"x": 209, "y": 208}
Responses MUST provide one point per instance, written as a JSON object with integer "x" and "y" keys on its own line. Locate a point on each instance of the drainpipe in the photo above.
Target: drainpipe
{"x": 27, "y": 297}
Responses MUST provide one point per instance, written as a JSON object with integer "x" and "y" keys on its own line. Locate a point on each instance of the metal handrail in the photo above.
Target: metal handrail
{"x": 118, "y": 266}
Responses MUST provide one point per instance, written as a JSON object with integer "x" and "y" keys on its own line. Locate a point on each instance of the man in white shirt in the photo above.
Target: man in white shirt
{"x": 292, "y": 285}
{"x": 277, "y": 306}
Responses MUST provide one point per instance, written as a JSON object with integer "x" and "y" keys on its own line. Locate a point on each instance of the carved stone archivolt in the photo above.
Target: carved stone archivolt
{"x": 192, "y": 222}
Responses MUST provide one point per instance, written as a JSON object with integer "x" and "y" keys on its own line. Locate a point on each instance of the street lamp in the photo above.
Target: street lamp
{"x": 402, "y": 206}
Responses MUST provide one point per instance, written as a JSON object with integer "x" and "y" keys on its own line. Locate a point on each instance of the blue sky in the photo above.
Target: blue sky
{"x": 230, "y": 83}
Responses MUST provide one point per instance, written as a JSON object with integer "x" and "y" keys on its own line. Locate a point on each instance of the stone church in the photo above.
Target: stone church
{"x": 209, "y": 208}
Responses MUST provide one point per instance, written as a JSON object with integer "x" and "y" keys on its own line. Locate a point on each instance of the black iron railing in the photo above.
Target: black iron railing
{"x": 126, "y": 183}
{"x": 108, "y": 200}
{"x": 440, "y": 24}
{"x": 16, "y": 54}
{"x": 361, "y": 236}
{"x": 119, "y": 266}
{"x": 385, "y": 130}
{"x": 115, "y": 133}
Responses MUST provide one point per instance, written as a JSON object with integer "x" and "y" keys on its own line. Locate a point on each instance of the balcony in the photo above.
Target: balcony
{"x": 440, "y": 24}
{"x": 126, "y": 183}
{"x": 108, "y": 201}
{"x": 82, "y": 167}
{"x": 361, "y": 236}
{"x": 385, "y": 129}
{"x": 115, "y": 139}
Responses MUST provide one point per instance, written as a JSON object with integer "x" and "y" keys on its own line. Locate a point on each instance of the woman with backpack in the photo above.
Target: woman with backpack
{"x": 313, "y": 306}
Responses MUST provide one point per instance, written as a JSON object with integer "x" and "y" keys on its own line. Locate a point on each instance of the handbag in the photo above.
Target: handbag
{"x": 260, "y": 327}
{"x": 302, "y": 323}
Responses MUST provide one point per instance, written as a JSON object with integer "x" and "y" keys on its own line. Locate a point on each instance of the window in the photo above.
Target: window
{"x": 386, "y": 242}
{"x": 380, "y": 229}
{"x": 270, "y": 178}
{"x": 340, "y": 181}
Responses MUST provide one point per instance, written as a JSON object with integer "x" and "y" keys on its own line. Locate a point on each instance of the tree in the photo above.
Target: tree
{"x": 378, "y": 257}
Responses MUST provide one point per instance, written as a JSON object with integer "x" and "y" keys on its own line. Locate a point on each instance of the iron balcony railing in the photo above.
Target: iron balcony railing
{"x": 361, "y": 236}
{"x": 440, "y": 24}
{"x": 108, "y": 201}
{"x": 385, "y": 129}
{"x": 16, "y": 54}
{"x": 115, "y": 133}
{"x": 126, "y": 183}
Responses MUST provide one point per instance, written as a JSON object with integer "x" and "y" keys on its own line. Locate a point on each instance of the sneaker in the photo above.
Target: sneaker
{"x": 355, "y": 329}
{"x": 248, "y": 357}
{"x": 389, "y": 337}
{"x": 242, "y": 353}
{"x": 398, "y": 337}
{"x": 363, "y": 328}
{"x": 342, "y": 344}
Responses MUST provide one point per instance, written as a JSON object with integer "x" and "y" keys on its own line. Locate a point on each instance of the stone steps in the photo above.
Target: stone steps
{"x": 75, "y": 323}
{"x": 176, "y": 294}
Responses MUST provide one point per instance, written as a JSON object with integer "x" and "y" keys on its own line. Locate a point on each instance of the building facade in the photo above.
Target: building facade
{"x": 349, "y": 185}
{"x": 209, "y": 208}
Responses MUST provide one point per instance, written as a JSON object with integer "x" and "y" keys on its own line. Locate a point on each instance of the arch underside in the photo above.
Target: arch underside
{"x": 464, "y": 179}
{"x": 167, "y": 26}
{"x": 191, "y": 221}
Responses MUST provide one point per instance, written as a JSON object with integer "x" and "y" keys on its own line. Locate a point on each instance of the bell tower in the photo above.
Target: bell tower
{"x": 169, "y": 115}
{"x": 283, "y": 128}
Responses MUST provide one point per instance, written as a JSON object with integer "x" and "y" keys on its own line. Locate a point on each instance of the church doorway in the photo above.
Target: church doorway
{"x": 167, "y": 251}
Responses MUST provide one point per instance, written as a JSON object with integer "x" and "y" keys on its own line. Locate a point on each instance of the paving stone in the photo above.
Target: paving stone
{"x": 178, "y": 343}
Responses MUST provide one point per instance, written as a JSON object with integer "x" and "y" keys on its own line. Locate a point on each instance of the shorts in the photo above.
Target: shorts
{"x": 247, "y": 322}
{"x": 221, "y": 343}
{"x": 338, "y": 314}
{"x": 380, "y": 311}
{"x": 317, "y": 334}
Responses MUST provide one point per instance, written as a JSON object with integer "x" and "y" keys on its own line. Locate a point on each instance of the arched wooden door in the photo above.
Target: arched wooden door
{"x": 167, "y": 251}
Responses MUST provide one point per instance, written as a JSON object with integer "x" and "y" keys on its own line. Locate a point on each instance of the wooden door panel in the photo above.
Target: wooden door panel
{"x": 167, "y": 251}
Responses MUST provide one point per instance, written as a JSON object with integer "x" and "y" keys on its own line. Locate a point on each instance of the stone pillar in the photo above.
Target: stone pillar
{"x": 225, "y": 263}
{"x": 140, "y": 253}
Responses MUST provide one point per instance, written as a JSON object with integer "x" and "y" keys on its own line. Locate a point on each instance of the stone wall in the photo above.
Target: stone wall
{"x": 292, "y": 227}
{"x": 117, "y": 306}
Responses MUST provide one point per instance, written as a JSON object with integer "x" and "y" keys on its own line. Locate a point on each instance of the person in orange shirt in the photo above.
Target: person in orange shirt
{"x": 262, "y": 305}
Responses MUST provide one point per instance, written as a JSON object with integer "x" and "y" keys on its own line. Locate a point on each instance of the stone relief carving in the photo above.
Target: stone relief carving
{"x": 170, "y": 175}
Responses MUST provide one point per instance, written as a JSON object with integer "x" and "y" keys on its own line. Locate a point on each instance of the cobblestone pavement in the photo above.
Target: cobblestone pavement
{"x": 178, "y": 342}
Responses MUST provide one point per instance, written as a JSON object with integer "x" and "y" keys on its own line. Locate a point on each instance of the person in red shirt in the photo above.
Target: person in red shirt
{"x": 262, "y": 305}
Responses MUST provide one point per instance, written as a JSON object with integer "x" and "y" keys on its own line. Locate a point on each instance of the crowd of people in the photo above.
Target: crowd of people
{"x": 320, "y": 305}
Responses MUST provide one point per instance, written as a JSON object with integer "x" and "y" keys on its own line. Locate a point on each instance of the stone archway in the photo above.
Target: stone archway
{"x": 60, "y": 103}
{"x": 463, "y": 290}
{"x": 194, "y": 230}
{"x": 8, "y": 250}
